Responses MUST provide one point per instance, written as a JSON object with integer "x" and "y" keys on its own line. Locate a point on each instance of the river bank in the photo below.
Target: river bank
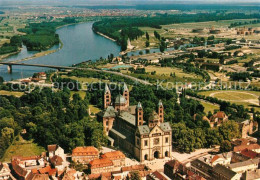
{"x": 105, "y": 36}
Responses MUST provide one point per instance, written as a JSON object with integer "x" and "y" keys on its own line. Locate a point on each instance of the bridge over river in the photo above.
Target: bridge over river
{"x": 10, "y": 64}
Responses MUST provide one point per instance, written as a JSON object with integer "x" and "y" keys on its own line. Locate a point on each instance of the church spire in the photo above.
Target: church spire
{"x": 161, "y": 111}
{"x": 107, "y": 97}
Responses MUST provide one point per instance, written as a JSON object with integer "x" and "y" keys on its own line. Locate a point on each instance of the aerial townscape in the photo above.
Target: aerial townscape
{"x": 129, "y": 90}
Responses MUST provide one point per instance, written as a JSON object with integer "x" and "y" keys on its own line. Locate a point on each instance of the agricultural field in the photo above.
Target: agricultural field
{"x": 247, "y": 98}
{"x": 21, "y": 147}
{"x": 11, "y": 93}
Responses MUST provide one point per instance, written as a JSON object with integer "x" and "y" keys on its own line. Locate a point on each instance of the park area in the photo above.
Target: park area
{"x": 247, "y": 98}
{"x": 21, "y": 147}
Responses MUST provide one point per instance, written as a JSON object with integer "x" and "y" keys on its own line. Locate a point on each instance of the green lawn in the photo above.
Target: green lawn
{"x": 209, "y": 107}
{"x": 22, "y": 148}
{"x": 247, "y": 98}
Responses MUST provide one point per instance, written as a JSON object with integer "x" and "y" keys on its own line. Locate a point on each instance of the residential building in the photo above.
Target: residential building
{"x": 127, "y": 128}
{"x": 103, "y": 165}
{"x": 84, "y": 154}
{"x": 201, "y": 168}
{"x": 241, "y": 167}
{"x": 221, "y": 172}
{"x": 218, "y": 118}
{"x": 251, "y": 175}
{"x": 246, "y": 128}
{"x": 4, "y": 171}
{"x": 117, "y": 157}
{"x": 157, "y": 176}
{"x": 173, "y": 168}
{"x": 56, "y": 150}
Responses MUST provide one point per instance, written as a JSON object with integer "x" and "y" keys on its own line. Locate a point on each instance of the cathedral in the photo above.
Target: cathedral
{"x": 126, "y": 128}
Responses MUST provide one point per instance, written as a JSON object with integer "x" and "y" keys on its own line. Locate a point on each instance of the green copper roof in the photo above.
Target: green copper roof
{"x": 165, "y": 126}
{"x": 143, "y": 129}
{"x": 139, "y": 105}
{"x": 106, "y": 88}
{"x": 125, "y": 88}
{"x": 120, "y": 99}
{"x": 109, "y": 112}
{"x": 127, "y": 117}
{"x": 160, "y": 103}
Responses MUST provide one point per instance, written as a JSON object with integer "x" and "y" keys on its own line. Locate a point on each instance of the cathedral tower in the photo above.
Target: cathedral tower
{"x": 126, "y": 94}
{"x": 161, "y": 111}
{"x": 107, "y": 97}
{"x": 139, "y": 119}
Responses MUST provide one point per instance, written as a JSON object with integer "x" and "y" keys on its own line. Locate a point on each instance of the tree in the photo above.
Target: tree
{"x": 1, "y": 80}
{"x": 147, "y": 36}
{"x": 225, "y": 146}
{"x": 134, "y": 175}
{"x": 147, "y": 44}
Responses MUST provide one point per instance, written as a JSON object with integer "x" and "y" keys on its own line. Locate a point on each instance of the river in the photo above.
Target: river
{"x": 80, "y": 44}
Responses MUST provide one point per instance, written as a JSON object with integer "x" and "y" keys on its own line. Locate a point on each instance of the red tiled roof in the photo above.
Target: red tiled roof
{"x": 173, "y": 164}
{"x": 214, "y": 159}
{"x": 249, "y": 153}
{"x": 158, "y": 175}
{"x": 113, "y": 155}
{"x": 56, "y": 160}
{"x": 98, "y": 163}
{"x": 18, "y": 169}
{"x": 249, "y": 147}
{"x": 89, "y": 150}
{"x": 45, "y": 170}
{"x": 35, "y": 171}
{"x": 220, "y": 114}
{"x": 52, "y": 147}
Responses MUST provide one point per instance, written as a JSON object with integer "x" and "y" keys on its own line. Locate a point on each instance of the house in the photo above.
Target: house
{"x": 253, "y": 147}
{"x": 192, "y": 176}
{"x": 201, "y": 168}
{"x": 18, "y": 172}
{"x": 156, "y": 176}
{"x": 55, "y": 149}
{"x": 42, "y": 75}
{"x": 84, "y": 154}
{"x": 250, "y": 154}
{"x": 33, "y": 176}
{"x": 221, "y": 172}
{"x": 251, "y": 175}
{"x": 172, "y": 168}
{"x": 30, "y": 162}
{"x": 117, "y": 157}
{"x": 246, "y": 128}
{"x": 241, "y": 167}
{"x": 57, "y": 162}
{"x": 4, "y": 171}
{"x": 103, "y": 165}
{"x": 217, "y": 119}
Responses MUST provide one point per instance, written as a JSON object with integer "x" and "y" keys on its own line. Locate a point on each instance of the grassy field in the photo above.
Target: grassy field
{"x": 11, "y": 93}
{"x": 82, "y": 94}
{"x": 22, "y": 147}
{"x": 83, "y": 79}
{"x": 94, "y": 109}
{"x": 247, "y": 98}
{"x": 209, "y": 107}
{"x": 168, "y": 70}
